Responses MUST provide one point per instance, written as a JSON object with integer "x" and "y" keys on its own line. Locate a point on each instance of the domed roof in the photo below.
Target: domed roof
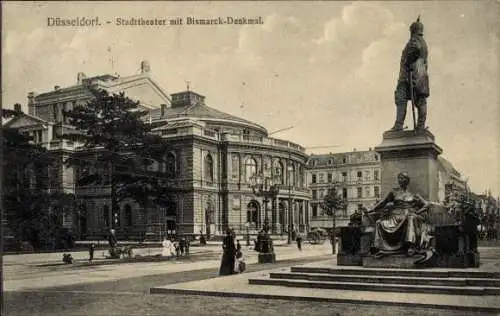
{"x": 191, "y": 105}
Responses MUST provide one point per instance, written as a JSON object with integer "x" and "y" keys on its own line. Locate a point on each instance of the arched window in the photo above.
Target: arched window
{"x": 291, "y": 174}
{"x": 253, "y": 213}
{"x": 128, "y": 215}
{"x": 300, "y": 181}
{"x": 209, "y": 168}
{"x": 279, "y": 170}
{"x": 170, "y": 165}
{"x": 250, "y": 168}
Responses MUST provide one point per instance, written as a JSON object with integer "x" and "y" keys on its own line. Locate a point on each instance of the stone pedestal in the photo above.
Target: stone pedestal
{"x": 401, "y": 261}
{"x": 354, "y": 244}
{"x": 267, "y": 257}
{"x": 414, "y": 152}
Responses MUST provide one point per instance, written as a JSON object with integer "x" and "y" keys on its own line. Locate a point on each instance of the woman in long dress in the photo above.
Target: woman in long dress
{"x": 402, "y": 226}
{"x": 167, "y": 248}
{"x": 228, "y": 255}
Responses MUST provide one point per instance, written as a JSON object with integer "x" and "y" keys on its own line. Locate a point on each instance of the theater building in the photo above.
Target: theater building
{"x": 212, "y": 157}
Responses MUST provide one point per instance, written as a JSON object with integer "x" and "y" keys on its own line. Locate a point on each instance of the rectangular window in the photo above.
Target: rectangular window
{"x": 330, "y": 177}
{"x": 54, "y": 112}
{"x": 375, "y": 175}
{"x": 360, "y": 174}
{"x": 344, "y": 193}
{"x": 314, "y": 210}
{"x": 321, "y": 194}
{"x": 367, "y": 192}
{"x": 321, "y": 178}
{"x": 367, "y": 175}
{"x": 360, "y": 206}
{"x": 235, "y": 167}
{"x": 344, "y": 176}
{"x": 360, "y": 192}
{"x": 313, "y": 179}
{"x": 314, "y": 194}
{"x": 376, "y": 192}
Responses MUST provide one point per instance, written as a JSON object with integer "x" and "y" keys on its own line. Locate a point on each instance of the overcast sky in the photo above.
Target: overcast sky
{"x": 327, "y": 68}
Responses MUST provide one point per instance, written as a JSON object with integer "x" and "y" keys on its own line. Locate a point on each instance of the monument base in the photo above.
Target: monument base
{"x": 345, "y": 259}
{"x": 267, "y": 257}
{"x": 401, "y": 261}
{"x": 414, "y": 152}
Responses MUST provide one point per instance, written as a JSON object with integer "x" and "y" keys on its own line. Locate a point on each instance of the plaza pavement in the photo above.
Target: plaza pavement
{"x": 238, "y": 286}
{"x": 24, "y": 272}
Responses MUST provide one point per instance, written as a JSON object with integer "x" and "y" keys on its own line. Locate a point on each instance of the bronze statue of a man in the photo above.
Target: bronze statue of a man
{"x": 413, "y": 78}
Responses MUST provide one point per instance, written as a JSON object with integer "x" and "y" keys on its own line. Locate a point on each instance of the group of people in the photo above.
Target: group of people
{"x": 232, "y": 258}
{"x": 177, "y": 247}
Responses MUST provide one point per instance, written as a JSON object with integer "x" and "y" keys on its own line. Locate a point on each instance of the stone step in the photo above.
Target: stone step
{"x": 429, "y": 273}
{"x": 398, "y": 288}
{"x": 354, "y": 278}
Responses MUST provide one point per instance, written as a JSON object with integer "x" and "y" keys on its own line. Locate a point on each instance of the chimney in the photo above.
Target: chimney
{"x": 145, "y": 67}
{"x": 354, "y": 149}
{"x": 80, "y": 77}
{"x": 163, "y": 106}
{"x": 56, "y": 88}
{"x": 31, "y": 103}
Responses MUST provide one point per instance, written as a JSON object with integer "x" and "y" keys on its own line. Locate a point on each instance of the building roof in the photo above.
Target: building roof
{"x": 202, "y": 112}
{"x": 448, "y": 167}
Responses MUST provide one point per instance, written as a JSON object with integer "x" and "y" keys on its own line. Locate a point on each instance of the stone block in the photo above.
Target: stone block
{"x": 269, "y": 257}
{"x": 350, "y": 239}
{"x": 473, "y": 259}
{"x": 367, "y": 239}
{"x": 449, "y": 240}
{"x": 399, "y": 261}
{"x": 452, "y": 261}
{"x": 414, "y": 152}
{"x": 345, "y": 259}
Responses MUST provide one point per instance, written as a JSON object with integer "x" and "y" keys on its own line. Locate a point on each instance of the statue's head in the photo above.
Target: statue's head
{"x": 403, "y": 179}
{"x": 417, "y": 28}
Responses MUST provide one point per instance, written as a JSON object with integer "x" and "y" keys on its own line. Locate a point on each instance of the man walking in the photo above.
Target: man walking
{"x": 299, "y": 241}
{"x": 91, "y": 252}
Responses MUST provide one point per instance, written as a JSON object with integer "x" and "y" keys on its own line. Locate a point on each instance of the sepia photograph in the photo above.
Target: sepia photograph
{"x": 250, "y": 158}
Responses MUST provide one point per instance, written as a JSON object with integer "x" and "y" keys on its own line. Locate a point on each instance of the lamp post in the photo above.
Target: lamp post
{"x": 247, "y": 226}
{"x": 289, "y": 169}
{"x": 268, "y": 188}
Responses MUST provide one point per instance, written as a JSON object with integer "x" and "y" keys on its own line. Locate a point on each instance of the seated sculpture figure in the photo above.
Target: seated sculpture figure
{"x": 401, "y": 226}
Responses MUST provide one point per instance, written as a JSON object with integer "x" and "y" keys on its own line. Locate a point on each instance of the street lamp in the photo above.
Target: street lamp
{"x": 247, "y": 226}
{"x": 268, "y": 188}
{"x": 289, "y": 169}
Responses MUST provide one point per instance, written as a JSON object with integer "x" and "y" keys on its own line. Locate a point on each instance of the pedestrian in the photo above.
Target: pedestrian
{"x": 238, "y": 246}
{"x": 188, "y": 244}
{"x": 91, "y": 252}
{"x": 228, "y": 255}
{"x": 177, "y": 248}
{"x": 167, "y": 248}
{"x": 182, "y": 244}
{"x": 299, "y": 242}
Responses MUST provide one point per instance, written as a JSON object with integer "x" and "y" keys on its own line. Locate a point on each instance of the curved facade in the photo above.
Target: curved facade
{"x": 215, "y": 155}
{"x": 212, "y": 156}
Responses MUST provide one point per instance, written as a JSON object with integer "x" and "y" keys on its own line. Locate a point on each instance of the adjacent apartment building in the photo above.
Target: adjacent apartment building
{"x": 356, "y": 175}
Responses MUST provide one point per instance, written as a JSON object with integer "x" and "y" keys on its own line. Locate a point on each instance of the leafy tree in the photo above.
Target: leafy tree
{"x": 124, "y": 152}
{"x": 332, "y": 202}
{"x": 26, "y": 198}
